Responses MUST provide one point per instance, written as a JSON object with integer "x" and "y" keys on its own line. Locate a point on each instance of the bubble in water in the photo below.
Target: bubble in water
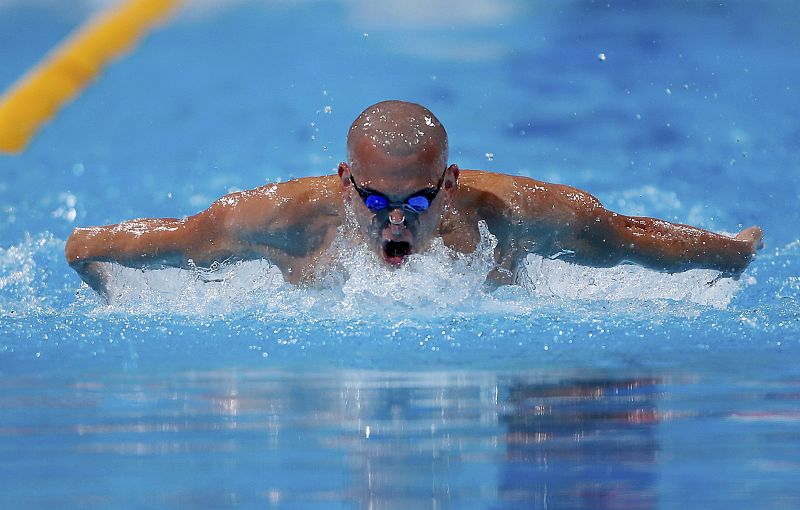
{"x": 67, "y": 210}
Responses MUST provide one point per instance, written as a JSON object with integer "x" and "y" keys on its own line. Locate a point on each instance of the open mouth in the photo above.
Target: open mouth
{"x": 396, "y": 251}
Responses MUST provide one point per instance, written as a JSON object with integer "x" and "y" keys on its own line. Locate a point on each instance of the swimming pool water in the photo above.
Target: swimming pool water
{"x": 584, "y": 388}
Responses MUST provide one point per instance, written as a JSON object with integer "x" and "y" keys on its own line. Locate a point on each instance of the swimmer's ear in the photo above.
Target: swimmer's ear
{"x": 344, "y": 177}
{"x": 455, "y": 171}
{"x": 344, "y": 173}
{"x": 450, "y": 184}
{"x": 451, "y": 179}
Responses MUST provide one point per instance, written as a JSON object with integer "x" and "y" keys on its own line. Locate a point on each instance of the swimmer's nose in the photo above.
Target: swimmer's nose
{"x": 397, "y": 217}
{"x": 397, "y": 222}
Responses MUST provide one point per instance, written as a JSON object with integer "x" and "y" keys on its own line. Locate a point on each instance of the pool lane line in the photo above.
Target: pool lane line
{"x": 71, "y": 66}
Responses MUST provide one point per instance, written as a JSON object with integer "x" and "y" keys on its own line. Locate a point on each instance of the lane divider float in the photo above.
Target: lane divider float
{"x": 71, "y": 66}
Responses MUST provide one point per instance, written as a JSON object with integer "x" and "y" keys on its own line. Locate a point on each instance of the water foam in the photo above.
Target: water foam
{"x": 548, "y": 277}
{"x": 27, "y": 285}
{"x": 437, "y": 281}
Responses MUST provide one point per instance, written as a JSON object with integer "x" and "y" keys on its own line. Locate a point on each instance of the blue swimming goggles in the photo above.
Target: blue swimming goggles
{"x": 417, "y": 202}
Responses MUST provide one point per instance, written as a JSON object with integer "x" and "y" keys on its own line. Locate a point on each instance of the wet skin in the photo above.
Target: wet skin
{"x": 293, "y": 224}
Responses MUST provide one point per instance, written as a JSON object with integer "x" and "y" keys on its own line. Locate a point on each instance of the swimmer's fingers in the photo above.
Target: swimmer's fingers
{"x": 754, "y": 236}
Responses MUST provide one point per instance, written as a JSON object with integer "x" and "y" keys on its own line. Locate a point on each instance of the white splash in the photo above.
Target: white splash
{"x": 24, "y": 277}
{"x": 552, "y": 277}
{"x": 223, "y": 290}
{"x": 440, "y": 282}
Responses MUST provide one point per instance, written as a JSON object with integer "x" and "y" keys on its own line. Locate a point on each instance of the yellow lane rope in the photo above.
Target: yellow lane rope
{"x": 38, "y": 95}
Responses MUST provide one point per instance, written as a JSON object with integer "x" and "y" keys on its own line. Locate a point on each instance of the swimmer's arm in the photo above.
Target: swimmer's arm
{"x": 145, "y": 244}
{"x": 278, "y": 222}
{"x": 583, "y": 231}
{"x": 662, "y": 245}
{"x": 197, "y": 241}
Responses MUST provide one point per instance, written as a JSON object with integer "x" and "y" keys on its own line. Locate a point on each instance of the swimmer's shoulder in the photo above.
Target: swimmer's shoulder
{"x": 282, "y": 204}
{"x": 314, "y": 194}
{"x": 499, "y": 183}
{"x": 498, "y": 194}
{"x": 485, "y": 194}
{"x": 480, "y": 186}
{"x": 511, "y": 186}
{"x": 323, "y": 188}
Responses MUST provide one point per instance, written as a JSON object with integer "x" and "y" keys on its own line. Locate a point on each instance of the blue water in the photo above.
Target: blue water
{"x": 584, "y": 388}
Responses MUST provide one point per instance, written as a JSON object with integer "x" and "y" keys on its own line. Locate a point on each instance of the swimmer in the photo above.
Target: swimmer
{"x": 396, "y": 194}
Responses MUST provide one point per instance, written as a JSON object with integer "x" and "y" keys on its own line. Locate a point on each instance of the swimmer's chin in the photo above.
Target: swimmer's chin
{"x": 395, "y": 253}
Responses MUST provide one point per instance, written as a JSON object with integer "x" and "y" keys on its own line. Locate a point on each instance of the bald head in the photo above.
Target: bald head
{"x": 397, "y": 185}
{"x": 398, "y": 129}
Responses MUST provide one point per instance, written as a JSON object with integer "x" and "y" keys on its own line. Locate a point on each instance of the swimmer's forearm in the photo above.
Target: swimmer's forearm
{"x": 150, "y": 244}
{"x": 672, "y": 247}
{"x": 572, "y": 225}
{"x": 137, "y": 243}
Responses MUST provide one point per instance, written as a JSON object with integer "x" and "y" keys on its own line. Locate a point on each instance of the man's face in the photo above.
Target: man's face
{"x": 404, "y": 185}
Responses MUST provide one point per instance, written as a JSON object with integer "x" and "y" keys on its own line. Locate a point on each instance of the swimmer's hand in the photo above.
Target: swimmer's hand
{"x": 753, "y": 235}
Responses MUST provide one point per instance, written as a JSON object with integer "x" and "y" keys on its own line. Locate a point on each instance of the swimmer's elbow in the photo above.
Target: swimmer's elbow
{"x": 71, "y": 250}
{"x": 84, "y": 245}
{"x": 77, "y": 249}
